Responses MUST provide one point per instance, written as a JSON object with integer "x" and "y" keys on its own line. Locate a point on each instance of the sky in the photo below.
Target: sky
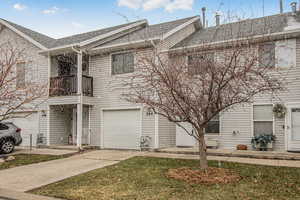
{"x": 60, "y": 18}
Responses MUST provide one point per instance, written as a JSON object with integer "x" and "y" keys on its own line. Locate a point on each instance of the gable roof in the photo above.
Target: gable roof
{"x": 49, "y": 42}
{"x": 149, "y": 32}
{"x": 237, "y": 30}
{"x": 42, "y": 40}
{"x": 88, "y": 35}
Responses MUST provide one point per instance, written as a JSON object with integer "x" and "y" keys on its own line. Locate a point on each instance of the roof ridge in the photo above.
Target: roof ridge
{"x": 249, "y": 19}
{"x": 181, "y": 19}
{"x": 29, "y": 29}
{"x": 110, "y": 27}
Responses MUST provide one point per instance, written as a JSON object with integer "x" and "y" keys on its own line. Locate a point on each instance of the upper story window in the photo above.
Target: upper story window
{"x": 198, "y": 61}
{"x": 122, "y": 63}
{"x": 20, "y": 79}
{"x": 213, "y": 126}
{"x": 267, "y": 54}
{"x": 262, "y": 119}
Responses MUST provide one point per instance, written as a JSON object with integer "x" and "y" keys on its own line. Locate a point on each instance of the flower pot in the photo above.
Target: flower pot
{"x": 269, "y": 147}
{"x": 241, "y": 147}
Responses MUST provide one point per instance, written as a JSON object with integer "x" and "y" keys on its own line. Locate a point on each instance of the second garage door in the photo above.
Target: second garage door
{"x": 121, "y": 129}
{"x": 29, "y": 126}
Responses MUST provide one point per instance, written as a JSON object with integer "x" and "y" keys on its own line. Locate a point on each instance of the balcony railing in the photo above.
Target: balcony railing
{"x": 67, "y": 85}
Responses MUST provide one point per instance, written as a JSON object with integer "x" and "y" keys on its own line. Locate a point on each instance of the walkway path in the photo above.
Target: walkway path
{"x": 28, "y": 177}
{"x": 235, "y": 153}
{"x": 13, "y": 195}
{"x": 270, "y": 162}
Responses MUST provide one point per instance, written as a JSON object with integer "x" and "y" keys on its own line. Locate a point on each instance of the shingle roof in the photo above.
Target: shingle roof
{"x": 241, "y": 29}
{"x": 40, "y": 38}
{"x": 51, "y": 42}
{"x": 86, "y": 36}
{"x": 148, "y": 32}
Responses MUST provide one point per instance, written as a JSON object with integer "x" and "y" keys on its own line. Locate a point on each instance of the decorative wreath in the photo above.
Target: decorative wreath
{"x": 279, "y": 110}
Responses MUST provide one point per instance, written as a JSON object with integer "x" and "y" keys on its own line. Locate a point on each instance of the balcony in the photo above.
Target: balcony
{"x": 67, "y": 86}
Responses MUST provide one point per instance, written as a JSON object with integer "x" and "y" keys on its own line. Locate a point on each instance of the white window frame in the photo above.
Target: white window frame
{"x": 121, "y": 52}
{"x": 252, "y": 117}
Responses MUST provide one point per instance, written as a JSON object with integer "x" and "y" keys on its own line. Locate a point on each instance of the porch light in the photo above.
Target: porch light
{"x": 44, "y": 114}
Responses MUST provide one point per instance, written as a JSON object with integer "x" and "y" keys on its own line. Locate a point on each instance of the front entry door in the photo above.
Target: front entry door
{"x": 293, "y": 129}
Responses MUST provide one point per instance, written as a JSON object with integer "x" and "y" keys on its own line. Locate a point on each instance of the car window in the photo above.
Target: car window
{"x": 3, "y": 127}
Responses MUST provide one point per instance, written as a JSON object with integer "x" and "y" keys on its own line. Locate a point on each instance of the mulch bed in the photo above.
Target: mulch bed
{"x": 209, "y": 176}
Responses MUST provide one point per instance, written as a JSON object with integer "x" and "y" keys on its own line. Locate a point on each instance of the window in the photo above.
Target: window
{"x": 3, "y": 127}
{"x": 122, "y": 63}
{"x": 267, "y": 54}
{"x": 262, "y": 119}
{"x": 198, "y": 61}
{"x": 20, "y": 82}
{"x": 213, "y": 126}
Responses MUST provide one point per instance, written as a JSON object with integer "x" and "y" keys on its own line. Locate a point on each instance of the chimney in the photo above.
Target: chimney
{"x": 294, "y": 7}
{"x": 218, "y": 18}
{"x": 281, "y": 6}
{"x": 203, "y": 17}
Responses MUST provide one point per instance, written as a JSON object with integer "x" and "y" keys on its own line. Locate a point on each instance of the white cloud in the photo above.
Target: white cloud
{"x": 154, "y": 4}
{"x": 19, "y": 7}
{"x": 134, "y": 4}
{"x": 77, "y": 25}
{"x": 51, "y": 11}
{"x": 168, "y": 5}
{"x": 179, "y": 5}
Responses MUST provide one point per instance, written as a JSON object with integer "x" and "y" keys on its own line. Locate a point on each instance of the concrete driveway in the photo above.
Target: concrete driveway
{"x": 29, "y": 177}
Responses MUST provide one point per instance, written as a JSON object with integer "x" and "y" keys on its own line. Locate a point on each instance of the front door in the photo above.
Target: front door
{"x": 293, "y": 129}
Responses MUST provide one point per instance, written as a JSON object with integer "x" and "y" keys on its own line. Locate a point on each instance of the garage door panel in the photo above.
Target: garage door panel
{"x": 121, "y": 129}
{"x": 29, "y": 126}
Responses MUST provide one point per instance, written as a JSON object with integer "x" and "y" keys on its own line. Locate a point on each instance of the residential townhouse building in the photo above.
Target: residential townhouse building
{"x": 89, "y": 68}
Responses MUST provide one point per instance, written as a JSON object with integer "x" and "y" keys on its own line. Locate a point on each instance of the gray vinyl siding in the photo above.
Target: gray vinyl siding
{"x": 36, "y": 68}
{"x": 240, "y": 119}
{"x": 60, "y": 126}
{"x": 107, "y": 92}
{"x": 148, "y": 126}
{"x": 166, "y": 132}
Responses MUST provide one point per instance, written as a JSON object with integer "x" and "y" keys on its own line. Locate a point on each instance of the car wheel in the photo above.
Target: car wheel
{"x": 7, "y": 146}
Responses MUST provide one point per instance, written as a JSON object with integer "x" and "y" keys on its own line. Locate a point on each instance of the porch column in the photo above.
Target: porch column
{"x": 79, "y": 124}
{"x": 79, "y": 105}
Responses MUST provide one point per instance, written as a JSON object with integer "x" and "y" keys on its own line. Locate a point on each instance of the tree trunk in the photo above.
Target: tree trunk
{"x": 202, "y": 150}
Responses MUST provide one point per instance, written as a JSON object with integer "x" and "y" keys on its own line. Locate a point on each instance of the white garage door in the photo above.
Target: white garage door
{"x": 121, "y": 129}
{"x": 29, "y": 125}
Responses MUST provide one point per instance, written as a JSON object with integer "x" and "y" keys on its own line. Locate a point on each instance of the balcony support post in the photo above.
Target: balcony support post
{"x": 79, "y": 105}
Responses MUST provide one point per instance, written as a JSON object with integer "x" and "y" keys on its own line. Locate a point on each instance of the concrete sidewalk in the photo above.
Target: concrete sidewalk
{"x": 13, "y": 195}
{"x": 29, "y": 177}
{"x": 54, "y": 152}
{"x": 234, "y": 153}
{"x": 269, "y": 162}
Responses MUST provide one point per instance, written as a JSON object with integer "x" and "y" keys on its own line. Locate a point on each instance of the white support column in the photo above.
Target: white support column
{"x": 79, "y": 74}
{"x": 79, "y": 124}
{"x": 79, "y": 105}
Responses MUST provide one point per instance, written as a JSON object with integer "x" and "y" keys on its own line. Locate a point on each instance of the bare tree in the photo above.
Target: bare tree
{"x": 194, "y": 86}
{"x": 16, "y": 93}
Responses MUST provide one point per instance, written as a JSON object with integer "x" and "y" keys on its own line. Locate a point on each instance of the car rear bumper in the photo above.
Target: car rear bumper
{"x": 19, "y": 142}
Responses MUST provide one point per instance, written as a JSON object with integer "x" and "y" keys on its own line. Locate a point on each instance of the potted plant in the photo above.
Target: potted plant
{"x": 279, "y": 110}
{"x": 263, "y": 142}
